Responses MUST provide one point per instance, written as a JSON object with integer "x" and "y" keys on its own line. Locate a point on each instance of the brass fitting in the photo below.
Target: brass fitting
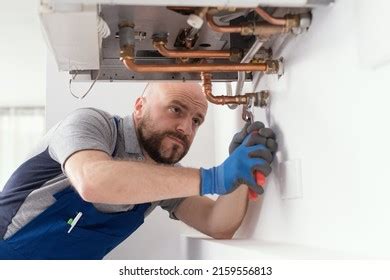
{"x": 235, "y": 55}
{"x": 247, "y": 29}
{"x": 127, "y": 52}
{"x": 268, "y": 30}
{"x": 263, "y": 30}
{"x": 292, "y": 21}
{"x": 274, "y": 66}
{"x": 126, "y": 40}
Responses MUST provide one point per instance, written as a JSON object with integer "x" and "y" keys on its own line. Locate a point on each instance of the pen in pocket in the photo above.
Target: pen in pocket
{"x": 74, "y": 221}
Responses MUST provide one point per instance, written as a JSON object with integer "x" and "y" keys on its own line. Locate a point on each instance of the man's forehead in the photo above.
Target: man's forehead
{"x": 189, "y": 89}
{"x": 189, "y": 93}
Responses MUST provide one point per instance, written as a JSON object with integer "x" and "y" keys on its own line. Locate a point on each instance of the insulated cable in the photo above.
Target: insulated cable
{"x": 85, "y": 94}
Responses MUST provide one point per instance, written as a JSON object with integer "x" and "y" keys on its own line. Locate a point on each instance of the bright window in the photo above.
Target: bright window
{"x": 20, "y": 130}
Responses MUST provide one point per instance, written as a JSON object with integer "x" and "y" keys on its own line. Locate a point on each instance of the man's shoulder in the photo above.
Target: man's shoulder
{"x": 90, "y": 111}
{"x": 88, "y": 116}
{"x": 85, "y": 120}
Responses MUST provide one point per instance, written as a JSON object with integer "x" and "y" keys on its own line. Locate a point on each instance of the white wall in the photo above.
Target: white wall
{"x": 317, "y": 110}
{"x": 159, "y": 237}
{"x": 22, "y": 55}
{"x": 328, "y": 194}
{"x": 315, "y": 113}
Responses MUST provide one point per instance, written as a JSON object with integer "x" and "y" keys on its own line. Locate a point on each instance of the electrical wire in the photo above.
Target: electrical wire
{"x": 85, "y": 94}
{"x": 104, "y": 32}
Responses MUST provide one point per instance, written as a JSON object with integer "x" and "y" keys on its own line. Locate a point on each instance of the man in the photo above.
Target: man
{"x": 95, "y": 177}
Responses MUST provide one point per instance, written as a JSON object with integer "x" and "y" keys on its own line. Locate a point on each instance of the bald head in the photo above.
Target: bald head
{"x": 186, "y": 90}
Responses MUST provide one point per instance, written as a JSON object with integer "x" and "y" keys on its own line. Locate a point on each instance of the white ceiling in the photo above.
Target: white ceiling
{"x": 22, "y": 54}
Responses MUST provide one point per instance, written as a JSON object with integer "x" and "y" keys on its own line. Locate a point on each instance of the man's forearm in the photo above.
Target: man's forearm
{"x": 229, "y": 211}
{"x": 124, "y": 182}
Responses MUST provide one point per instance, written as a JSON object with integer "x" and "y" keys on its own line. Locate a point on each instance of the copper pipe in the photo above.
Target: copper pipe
{"x": 221, "y": 99}
{"x": 267, "y": 17}
{"x": 220, "y": 28}
{"x": 162, "y": 49}
{"x": 267, "y": 30}
{"x": 202, "y": 67}
{"x": 262, "y": 30}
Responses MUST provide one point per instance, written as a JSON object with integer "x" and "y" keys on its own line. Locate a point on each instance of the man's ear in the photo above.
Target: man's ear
{"x": 138, "y": 107}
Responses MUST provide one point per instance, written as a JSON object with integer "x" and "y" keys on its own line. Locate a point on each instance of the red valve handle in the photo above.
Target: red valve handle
{"x": 260, "y": 180}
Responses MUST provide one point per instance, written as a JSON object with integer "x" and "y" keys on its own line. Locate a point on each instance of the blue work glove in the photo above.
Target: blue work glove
{"x": 260, "y": 135}
{"x": 237, "y": 169}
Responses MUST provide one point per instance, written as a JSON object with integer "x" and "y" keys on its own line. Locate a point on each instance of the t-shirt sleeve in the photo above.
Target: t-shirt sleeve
{"x": 170, "y": 205}
{"x": 83, "y": 129}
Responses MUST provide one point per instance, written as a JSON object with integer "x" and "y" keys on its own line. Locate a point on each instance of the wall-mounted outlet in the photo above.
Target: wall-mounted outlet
{"x": 290, "y": 179}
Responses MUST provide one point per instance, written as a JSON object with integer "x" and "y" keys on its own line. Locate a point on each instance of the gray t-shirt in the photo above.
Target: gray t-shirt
{"x": 30, "y": 189}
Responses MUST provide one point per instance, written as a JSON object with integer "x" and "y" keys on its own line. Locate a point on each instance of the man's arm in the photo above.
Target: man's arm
{"x": 100, "y": 179}
{"x": 222, "y": 218}
{"x": 218, "y": 219}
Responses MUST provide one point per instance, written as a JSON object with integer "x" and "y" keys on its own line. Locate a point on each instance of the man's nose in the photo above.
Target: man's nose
{"x": 185, "y": 127}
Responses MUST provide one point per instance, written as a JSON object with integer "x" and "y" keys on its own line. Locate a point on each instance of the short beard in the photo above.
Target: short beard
{"x": 152, "y": 144}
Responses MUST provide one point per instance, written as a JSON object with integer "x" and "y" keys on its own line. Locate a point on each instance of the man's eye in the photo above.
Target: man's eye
{"x": 197, "y": 122}
{"x": 174, "y": 109}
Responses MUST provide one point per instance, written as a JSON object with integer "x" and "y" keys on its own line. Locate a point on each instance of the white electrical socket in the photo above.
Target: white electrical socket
{"x": 290, "y": 179}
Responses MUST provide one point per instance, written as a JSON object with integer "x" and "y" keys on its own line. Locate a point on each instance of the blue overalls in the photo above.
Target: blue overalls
{"x": 94, "y": 235}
